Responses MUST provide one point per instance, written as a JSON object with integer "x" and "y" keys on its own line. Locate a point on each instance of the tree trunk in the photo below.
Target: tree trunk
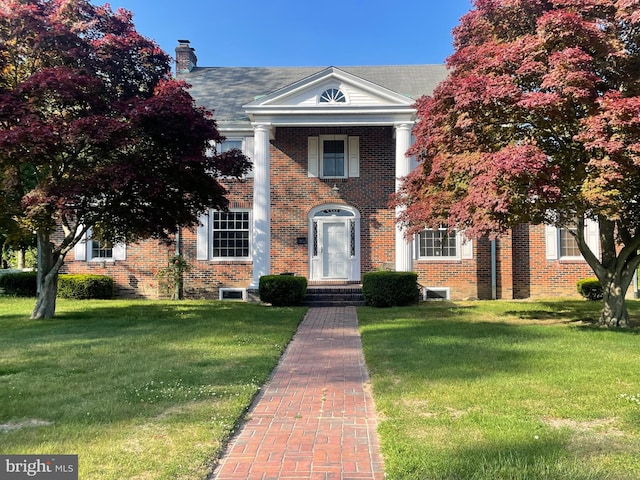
{"x": 614, "y": 311}
{"x": 48, "y": 266}
{"x": 46, "y": 301}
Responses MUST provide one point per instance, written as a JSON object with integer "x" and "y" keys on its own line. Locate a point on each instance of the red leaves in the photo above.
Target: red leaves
{"x": 540, "y": 112}
{"x": 93, "y": 129}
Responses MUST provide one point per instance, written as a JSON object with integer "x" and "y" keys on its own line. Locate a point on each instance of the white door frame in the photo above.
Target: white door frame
{"x": 327, "y": 214}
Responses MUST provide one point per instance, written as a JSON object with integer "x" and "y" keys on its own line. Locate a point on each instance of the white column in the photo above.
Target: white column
{"x": 261, "y": 205}
{"x": 404, "y": 248}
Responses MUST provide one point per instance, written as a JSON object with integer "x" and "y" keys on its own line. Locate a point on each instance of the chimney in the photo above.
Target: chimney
{"x": 186, "y": 59}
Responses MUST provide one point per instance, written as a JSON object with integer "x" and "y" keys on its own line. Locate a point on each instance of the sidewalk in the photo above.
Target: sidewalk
{"x": 315, "y": 418}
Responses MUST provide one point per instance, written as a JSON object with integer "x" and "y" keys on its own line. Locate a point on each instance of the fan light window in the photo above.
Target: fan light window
{"x": 332, "y": 95}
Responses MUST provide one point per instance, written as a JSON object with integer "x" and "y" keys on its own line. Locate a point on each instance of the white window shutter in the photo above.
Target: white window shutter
{"x": 202, "y": 238}
{"x": 592, "y": 236}
{"x": 249, "y": 152}
{"x": 80, "y": 249}
{"x": 551, "y": 241}
{"x": 354, "y": 156}
{"x": 312, "y": 156}
{"x": 119, "y": 251}
{"x": 466, "y": 246}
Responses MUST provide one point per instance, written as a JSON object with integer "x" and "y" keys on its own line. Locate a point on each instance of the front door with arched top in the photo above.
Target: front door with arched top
{"x": 334, "y": 251}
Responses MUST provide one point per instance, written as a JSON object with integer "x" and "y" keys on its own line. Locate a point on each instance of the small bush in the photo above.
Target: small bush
{"x": 83, "y": 287}
{"x": 19, "y": 284}
{"x": 282, "y": 290}
{"x": 590, "y": 288}
{"x": 388, "y": 289}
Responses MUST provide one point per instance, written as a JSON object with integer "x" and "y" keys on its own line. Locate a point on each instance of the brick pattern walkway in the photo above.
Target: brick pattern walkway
{"x": 315, "y": 418}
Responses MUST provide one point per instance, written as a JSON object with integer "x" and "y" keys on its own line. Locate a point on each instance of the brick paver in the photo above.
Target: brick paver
{"x": 315, "y": 418}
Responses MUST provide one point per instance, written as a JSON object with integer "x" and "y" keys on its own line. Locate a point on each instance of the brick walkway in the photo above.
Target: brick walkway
{"x": 315, "y": 418}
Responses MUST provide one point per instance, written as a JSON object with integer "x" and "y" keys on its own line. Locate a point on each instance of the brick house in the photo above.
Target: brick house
{"x": 328, "y": 145}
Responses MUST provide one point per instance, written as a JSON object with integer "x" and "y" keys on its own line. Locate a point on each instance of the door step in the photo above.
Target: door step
{"x": 334, "y": 296}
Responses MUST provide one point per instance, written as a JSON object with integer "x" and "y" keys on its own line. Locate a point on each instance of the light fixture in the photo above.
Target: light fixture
{"x": 335, "y": 190}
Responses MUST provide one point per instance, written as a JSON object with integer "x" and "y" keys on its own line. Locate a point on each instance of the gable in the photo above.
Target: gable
{"x": 358, "y": 92}
{"x": 332, "y": 96}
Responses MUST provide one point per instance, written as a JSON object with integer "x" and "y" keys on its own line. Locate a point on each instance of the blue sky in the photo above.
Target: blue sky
{"x": 301, "y": 32}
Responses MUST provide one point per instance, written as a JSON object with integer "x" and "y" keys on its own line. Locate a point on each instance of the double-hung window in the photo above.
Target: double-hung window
{"x": 230, "y": 235}
{"x": 568, "y": 244}
{"x": 561, "y": 242}
{"x": 94, "y": 250}
{"x": 438, "y": 243}
{"x": 99, "y": 250}
{"x": 333, "y": 157}
{"x": 244, "y": 144}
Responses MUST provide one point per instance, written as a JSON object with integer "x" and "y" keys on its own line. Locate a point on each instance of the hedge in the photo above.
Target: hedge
{"x": 19, "y": 284}
{"x": 388, "y": 289}
{"x": 83, "y": 287}
{"x": 590, "y": 288}
{"x": 282, "y": 290}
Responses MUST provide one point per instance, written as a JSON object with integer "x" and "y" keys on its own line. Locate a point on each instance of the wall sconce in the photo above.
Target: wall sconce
{"x": 335, "y": 190}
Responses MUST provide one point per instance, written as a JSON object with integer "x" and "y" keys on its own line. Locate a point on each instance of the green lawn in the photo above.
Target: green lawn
{"x": 146, "y": 390}
{"x": 504, "y": 390}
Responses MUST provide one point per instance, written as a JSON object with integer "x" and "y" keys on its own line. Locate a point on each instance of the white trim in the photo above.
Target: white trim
{"x": 345, "y": 152}
{"x": 249, "y": 236}
{"x": 445, "y": 290}
{"x": 223, "y": 290}
{"x": 464, "y": 248}
{"x": 315, "y": 261}
{"x": 553, "y": 247}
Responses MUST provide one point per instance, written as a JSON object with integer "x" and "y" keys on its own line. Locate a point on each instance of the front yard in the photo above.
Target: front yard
{"x": 464, "y": 391}
{"x": 136, "y": 389}
{"x": 504, "y": 390}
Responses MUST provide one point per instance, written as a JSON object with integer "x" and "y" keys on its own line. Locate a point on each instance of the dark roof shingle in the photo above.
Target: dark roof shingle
{"x": 226, "y": 89}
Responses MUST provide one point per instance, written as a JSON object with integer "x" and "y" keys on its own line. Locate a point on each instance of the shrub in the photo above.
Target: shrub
{"x": 19, "y": 284}
{"x": 282, "y": 290}
{"x": 590, "y": 288}
{"x": 82, "y": 287}
{"x": 388, "y": 289}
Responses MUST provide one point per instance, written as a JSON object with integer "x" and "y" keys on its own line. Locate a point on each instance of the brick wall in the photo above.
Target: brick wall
{"x": 522, "y": 270}
{"x": 135, "y": 277}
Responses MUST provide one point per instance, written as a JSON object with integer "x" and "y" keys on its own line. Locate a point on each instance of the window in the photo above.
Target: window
{"x": 244, "y": 144}
{"x": 229, "y": 144}
{"x": 332, "y": 95}
{"x": 230, "y": 234}
{"x": 100, "y": 251}
{"x": 92, "y": 250}
{"x": 333, "y": 158}
{"x": 568, "y": 244}
{"x": 443, "y": 244}
{"x": 561, "y": 244}
{"x": 440, "y": 243}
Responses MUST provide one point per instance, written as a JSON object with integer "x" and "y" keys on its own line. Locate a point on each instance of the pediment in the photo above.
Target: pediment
{"x": 329, "y": 89}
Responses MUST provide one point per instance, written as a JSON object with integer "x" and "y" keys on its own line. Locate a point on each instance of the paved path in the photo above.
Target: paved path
{"x": 315, "y": 418}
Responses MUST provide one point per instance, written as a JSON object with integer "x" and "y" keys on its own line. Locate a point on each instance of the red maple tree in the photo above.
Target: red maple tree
{"x": 96, "y": 134}
{"x": 538, "y": 122}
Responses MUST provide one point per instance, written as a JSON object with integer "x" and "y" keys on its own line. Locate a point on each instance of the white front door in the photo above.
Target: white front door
{"x": 335, "y": 248}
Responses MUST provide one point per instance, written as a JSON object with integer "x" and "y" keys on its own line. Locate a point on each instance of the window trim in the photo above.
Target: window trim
{"x": 210, "y": 235}
{"x": 561, "y": 255}
{"x": 457, "y": 256}
{"x": 83, "y": 251}
{"x": 345, "y": 160}
{"x": 246, "y": 143}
